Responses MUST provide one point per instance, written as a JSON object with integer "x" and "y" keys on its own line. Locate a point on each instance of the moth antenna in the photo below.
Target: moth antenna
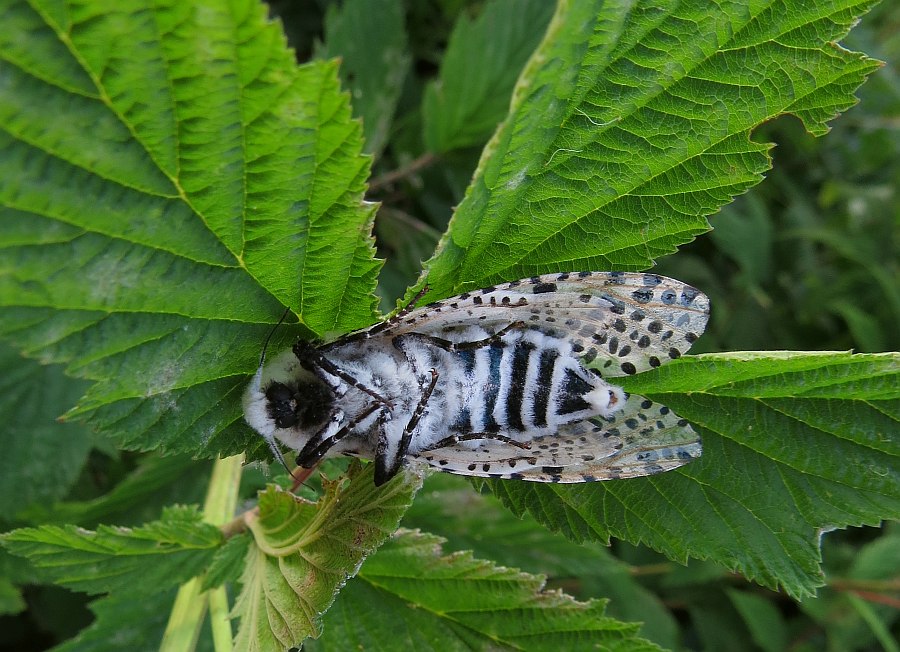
{"x": 303, "y": 477}
{"x": 257, "y": 383}
{"x": 277, "y": 453}
{"x": 262, "y": 357}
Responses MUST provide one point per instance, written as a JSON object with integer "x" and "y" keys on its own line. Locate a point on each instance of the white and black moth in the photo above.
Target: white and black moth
{"x": 510, "y": 381}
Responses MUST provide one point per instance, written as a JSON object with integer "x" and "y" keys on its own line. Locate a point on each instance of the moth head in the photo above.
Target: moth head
{"x": 286, "y": 402}
{"x": 302, "y": 403}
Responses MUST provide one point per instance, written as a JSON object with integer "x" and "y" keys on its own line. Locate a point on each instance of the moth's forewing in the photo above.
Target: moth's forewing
{"x": 621, "y": 323}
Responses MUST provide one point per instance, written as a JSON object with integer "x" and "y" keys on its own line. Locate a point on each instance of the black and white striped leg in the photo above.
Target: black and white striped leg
{"x": 478, "y": 344}
{"x": 453, "y": 347}
{"x": 400, "y": 315}
{"x": 387, "y": 465}
{"x": 322, "y": 442}
{"x": 475, "y": 436}
{"x": 324, "y": 434}
{"x": 383, "y": 326}
{"x": 312, "y": 360}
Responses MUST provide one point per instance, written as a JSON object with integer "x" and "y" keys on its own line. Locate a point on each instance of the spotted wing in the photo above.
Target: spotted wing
{"x": 643, "y": 438}
{"x": 619, "y": 322}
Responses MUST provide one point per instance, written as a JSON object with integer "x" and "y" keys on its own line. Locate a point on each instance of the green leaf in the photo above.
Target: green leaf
{"x": 155, "y": 483}
{"x": 142, "y": 560}
{"x": 194, "y": 181}
{"x": 746, "y": 236}
{"x": 304, "y": 552}
{"x": 124, "y": 622}
{"x": 631, "y": 124}
{"x": 233, "y": 165}
{"x": 447, "y": 506}
{"x": 11, "y": 601}
{"x": 856, "y": 574}
{"x": 794, "y": 444}
{"x": 432, "y": 601}
{"x": 41, "y": 457}
{"x": 762, "y": 618}
{"x": 470, "y": 96}
{"x": 879, "y": 559}
{"x": 228, "y": 562}
{"x": 370, "y": 39}
{"x": 403, "y": 264}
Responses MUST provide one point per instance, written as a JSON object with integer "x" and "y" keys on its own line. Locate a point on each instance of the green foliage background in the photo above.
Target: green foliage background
{"x": 267, "y": 155}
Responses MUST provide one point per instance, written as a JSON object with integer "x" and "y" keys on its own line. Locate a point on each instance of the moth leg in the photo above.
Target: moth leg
{"x": 478, "y": 344}
{"x": 408, "y": 309}
{"x": 325, "y": 433}
{"x": 386, "y": 465}
{"x": 453, "y": 347}
{"x": 475, "y": 436}
{"x": 312, "y": 360}
{"x": 393, "y": 321}
{"x": 324, "y": 440}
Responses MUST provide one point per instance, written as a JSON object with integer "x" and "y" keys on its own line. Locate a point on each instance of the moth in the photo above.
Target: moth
{"x": 511, "y": 381}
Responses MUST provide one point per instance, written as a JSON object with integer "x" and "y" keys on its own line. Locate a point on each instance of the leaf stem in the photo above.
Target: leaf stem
{"x": 406, "y": 220}
{"x": 411, "y": 168}
{"x": 189, "y": 609}
{"x": 239, "y": 523}
{"x": 219, "y": 621}
{"x": 877, "y": 627}
{"x": 849, "y": 584}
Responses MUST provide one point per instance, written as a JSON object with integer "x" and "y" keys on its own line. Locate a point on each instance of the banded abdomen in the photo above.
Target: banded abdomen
{"x": 526, "y": 384}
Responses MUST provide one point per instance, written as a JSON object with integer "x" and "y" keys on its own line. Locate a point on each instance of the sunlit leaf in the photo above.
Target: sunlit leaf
{"x": 793, "y": 444}
{"x": 304, "y": 552}
{"x": 429, "y": 600}
{"x": 631, "y": 124}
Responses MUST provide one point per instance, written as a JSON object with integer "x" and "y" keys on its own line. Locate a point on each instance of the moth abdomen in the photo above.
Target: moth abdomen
{"x": 523, "y": 385}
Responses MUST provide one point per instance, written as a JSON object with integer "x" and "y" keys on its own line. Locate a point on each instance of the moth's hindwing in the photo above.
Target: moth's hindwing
{"x": 643, "y": 438}
{"x": 621, "y": 323}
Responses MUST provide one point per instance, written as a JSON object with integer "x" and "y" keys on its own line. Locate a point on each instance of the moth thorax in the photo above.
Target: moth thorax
{"x": 606, "y": 399}
{"x": 303, "y": 403}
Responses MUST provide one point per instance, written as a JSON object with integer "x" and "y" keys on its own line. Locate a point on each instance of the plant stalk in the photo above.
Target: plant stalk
{"x": 189, "y": 609}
